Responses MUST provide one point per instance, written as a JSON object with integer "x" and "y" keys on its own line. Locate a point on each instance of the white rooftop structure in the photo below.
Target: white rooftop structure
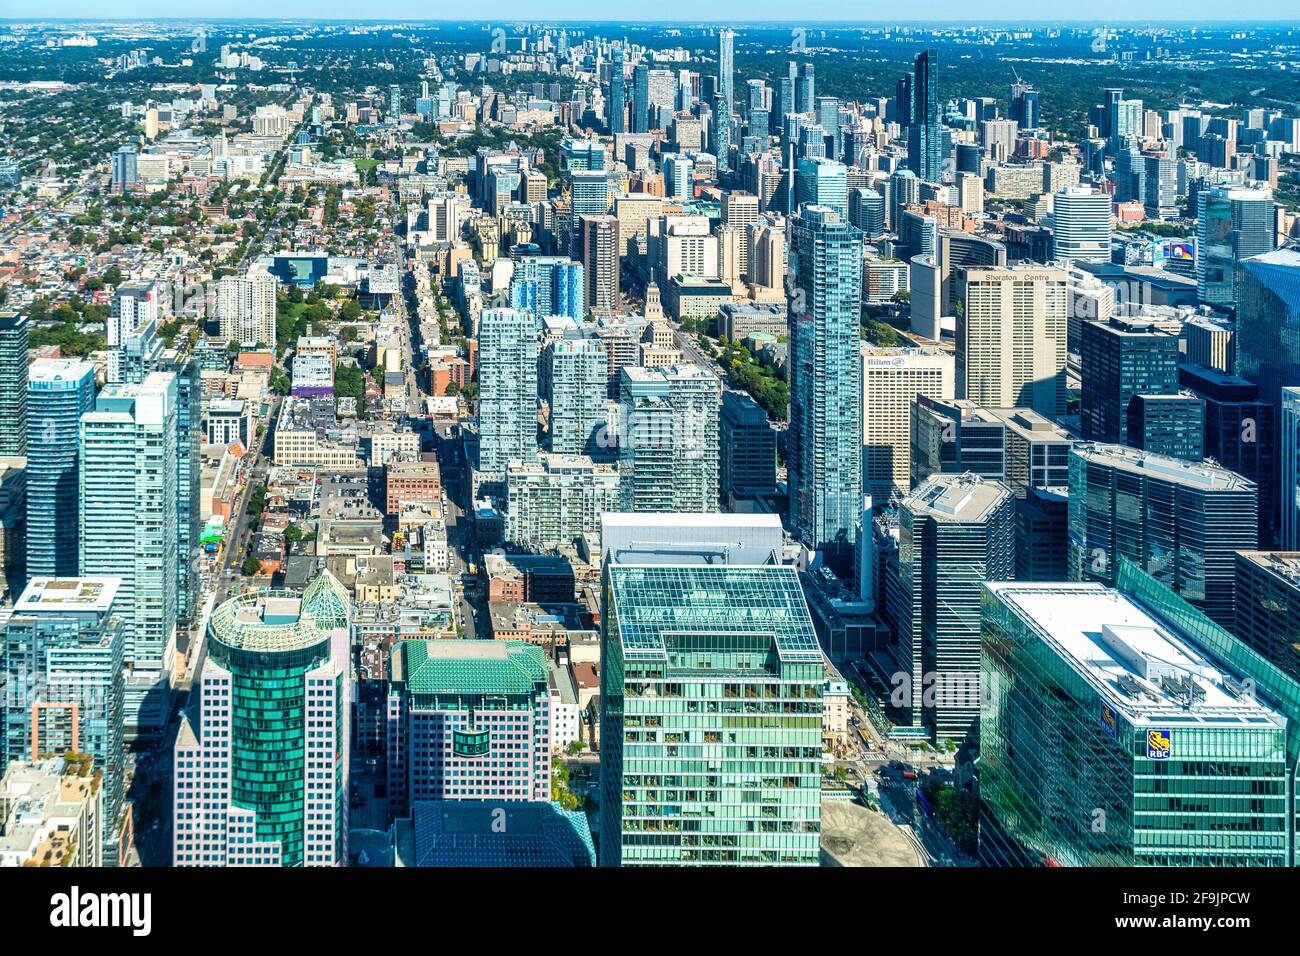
{"x": 695, "y": 538}
{"x": 64, "y": 595}
{"x": 1138, "y": 665}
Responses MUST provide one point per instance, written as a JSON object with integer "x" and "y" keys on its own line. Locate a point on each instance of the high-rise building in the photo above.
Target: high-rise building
{"x": 547, "y": 286}
{"x": 1289, "y": 479}
{"x": 1081, "y": 223}
{"x": 558, "y": 499}
{"x": 61, "y": 664}
{"x": 1268, "y": 607}
{"x": 576, "y": 376}
{"x": 925, "y": 135}
{"x": 1120, "y": 359}
{"x": 134, "y": 311}
{"x": 1011, "y": 338}
{"x": 892, "y": 379}
{"x": 726, "y": 103}
{"x": 1180, "y": 521}
{"x": 1241, "y": 433}
{"x": 617, "y": 110}
{"x": 125, "y": 173}
{"x": 13, "y": 383}
{"x": 59, "y": 392}
{"x": 711, "y": 697}
{"x": 507, "y": 361}
{"x": 600, "y": 262}
{"x": 822, "y": 182}
{"x": 1232, "y": 225}
{"x": 1168, "y": 424}
{"x": 1150, "y": 722}
{"x": 1268, "y": 309}
{"x": 589, "y": 195}
{"x": 129, "y": 509}
{"x": 825, "y": 373}
{"x": 806, "y": 89}
{"x": 246, "y": 308}
{"x": 468, "y": 720}
{"x": 955, "y": 533}
{"x": 668, "y": 439}
{"x": 746, "y": 448}
{"x": 260, "y": 768}
{"x": 956, "y": 438}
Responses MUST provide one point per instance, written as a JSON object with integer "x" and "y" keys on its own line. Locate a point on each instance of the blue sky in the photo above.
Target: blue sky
{"x": 750, "y": 10}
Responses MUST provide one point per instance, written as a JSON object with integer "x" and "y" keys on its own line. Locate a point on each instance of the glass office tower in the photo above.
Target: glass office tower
{"x": 1111, "y": 736}
{"x": 59, "y": 392}
{"x": 261, "y": 768}
{"x": 507, "y": 388}
{"x": 617, "y": 92}
{"x": 925, "y": 135}
{"x": 1180, "y": 521}
{"x": 711, "y": 691}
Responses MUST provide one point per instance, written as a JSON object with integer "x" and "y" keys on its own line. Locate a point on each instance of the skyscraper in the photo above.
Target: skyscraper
{"x": 577, "y": 374}
{"x": 617, "y": 92}
{"x": 1289, "y": 456}
{"x": 746, "y": 447}
{"x": 601, "y": 262}
{"x": 507, "y": 357}
{"x": 1011, "y": 338}
{"x": 824, "y": 440}
{"x": 246, "y": 308}
{"x": 1120, "y": 359}
{"x": 711, "y": 675}
{"x": 806, "y": 90}
{"x": 260, "y": 768}
{"x": 892, "y": 379}
{"x": 59, "y": 392}
{"x": 641, "y": 98}
{"x": 1081, "y": 220}
{"x": 668, "y": 439}
{"x": 1179, "y": 521}
{"x": 468, "y": 720}
{"x": 548, "y": 285}
{"x": 924, "y": 135}
{"x": 1267, "y": 290}
{"x": 726, "y": 103}
{"x": 822, "y": 182}
{"x": 956, "y": 532}
{"x": 61, "y": 664}
{"x": 1151, "y": 721}
{"x": 1231, "y": 226}
{"x": 13, "y": 382}
{"x": 129, "y": 509}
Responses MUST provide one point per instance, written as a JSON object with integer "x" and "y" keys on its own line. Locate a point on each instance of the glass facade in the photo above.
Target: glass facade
{"x": 60, "y": 391}
{"x": 1074, "y": 773}
{"x": 711, "y": 695}
{"x": 824, "y": 440}
{"x": 268, "y": 737}
{"x": 1180, "y": 521}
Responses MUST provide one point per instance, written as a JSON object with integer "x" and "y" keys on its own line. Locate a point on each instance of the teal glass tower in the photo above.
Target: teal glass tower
{"x": 825, "y": 434}
{"x": 261, "y": 767}
{"x": 711, "y": 696}
{"x": 726, "y": 105}
{"x": 59, "y": 392}
{"x": 1122, "y": 728}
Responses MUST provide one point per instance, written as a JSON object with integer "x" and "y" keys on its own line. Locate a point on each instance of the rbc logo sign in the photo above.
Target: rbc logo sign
{"x": 1159, "y": 744}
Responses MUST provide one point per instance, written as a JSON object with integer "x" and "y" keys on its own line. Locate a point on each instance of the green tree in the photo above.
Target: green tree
{"x": 250, "y": 566}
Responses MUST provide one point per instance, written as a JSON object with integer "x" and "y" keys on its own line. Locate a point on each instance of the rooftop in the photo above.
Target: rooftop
{"x": 50, "y": 595}
{"x": 965, "y": 497}
{"x": 657, "y": 605}
{"x": 1139, "y": 664}
{"x": 469, "y": 667}
{"x": 1200, "y": 474}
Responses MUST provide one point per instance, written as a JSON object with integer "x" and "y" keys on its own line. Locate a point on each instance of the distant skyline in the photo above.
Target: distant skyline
{"x": 737, "y": 11}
